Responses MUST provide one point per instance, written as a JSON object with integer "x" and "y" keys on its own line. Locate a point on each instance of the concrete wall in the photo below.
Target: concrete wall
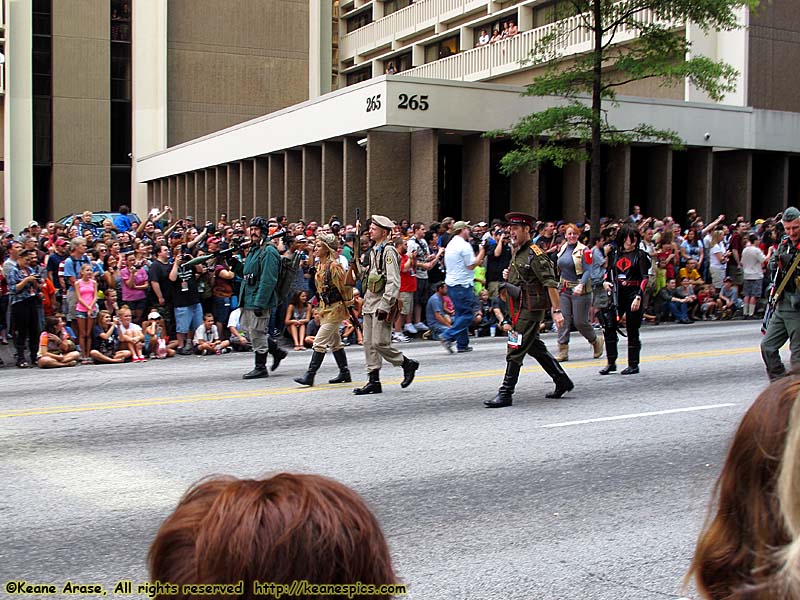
{"x": 81, "y": 108}
{"x": 774, "y": 56}
{"x": 388, "y": 174}
{"x": 475, "y": 178}
{"x": 229, "y": 63}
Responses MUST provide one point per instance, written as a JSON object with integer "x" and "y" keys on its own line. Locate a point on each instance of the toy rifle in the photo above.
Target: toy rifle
{"x": 775, "y": 294}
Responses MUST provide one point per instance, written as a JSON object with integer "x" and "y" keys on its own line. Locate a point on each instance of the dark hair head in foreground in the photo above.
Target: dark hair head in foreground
{"x": 285, "y": 528}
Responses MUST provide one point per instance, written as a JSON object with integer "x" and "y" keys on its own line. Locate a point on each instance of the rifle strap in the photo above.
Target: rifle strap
{"x": 788, "y": 276}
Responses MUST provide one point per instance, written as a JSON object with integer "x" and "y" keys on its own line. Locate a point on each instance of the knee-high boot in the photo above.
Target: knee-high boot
{"x": 557, "y": 374}
{"x": 313, "y": 367}
{"x": 506, "y": 391}
{"x": 277, "y": 353}
{"x": 344, "y": 370}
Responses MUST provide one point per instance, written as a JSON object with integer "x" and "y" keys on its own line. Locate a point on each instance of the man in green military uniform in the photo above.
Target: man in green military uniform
{"x": 531, "y": 272}
{"x": 785, "y": 321}
{"x": 258, "y": 296}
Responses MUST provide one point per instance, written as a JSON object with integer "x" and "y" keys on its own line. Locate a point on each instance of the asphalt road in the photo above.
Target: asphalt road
{"x": 598, "y": 495}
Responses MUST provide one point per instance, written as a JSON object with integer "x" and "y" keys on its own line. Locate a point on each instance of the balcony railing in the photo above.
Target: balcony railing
{"x": 404, "y": 23}
{"x": 505, "y": 56}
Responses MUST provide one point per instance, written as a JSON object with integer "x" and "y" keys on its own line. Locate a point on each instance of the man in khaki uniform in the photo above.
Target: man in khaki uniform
{"x": 531, "y": 273}
{"x": 382, "y": 292}
{"x": 335, "y": 298}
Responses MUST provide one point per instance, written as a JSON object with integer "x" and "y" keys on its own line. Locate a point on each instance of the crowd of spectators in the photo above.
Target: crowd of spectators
{"x": 119, "y": 291}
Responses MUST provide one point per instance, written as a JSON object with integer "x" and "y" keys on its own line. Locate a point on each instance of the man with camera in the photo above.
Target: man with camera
{"x": 258, "y": 297}
{"x": 380, "y": 308}
{"x": 186, "y": 300}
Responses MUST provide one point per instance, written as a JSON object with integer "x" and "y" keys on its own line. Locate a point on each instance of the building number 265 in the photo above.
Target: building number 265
{"x": 374, "y": 103}
{"x": 413, "y": 102}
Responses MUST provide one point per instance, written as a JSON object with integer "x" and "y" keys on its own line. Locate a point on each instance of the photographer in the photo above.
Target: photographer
{"x": 23, "y": 287}
{"x": 498, "y": 256}
{"x": 186, "y": 299}
{"x": 135, "y": 283}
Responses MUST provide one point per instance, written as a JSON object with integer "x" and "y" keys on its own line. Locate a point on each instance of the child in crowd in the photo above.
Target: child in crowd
{"x": 707, "y": 300}
{"x": 237, "y": 337}
{"x": 156, "y": 342}
{"x": 297, "y": 317}
{"x": 110, "y": 302}
{"x": 105, "y": 341}
{"x": 54, "y": 351}
{"x": 312, "y": 329}
{"x": 207, "y": 339}
{"x": 86, "y": 310}
{"x": 131, "y": 336}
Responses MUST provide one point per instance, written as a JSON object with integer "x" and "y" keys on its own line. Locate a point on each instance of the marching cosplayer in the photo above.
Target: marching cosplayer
{"x": 533, "y": 289}
{"x": 259, "y": 295}
{"x": 380, "y": 308}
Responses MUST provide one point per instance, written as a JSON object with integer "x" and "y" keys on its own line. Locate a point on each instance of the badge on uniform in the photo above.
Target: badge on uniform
{"x": 514, "y": 339}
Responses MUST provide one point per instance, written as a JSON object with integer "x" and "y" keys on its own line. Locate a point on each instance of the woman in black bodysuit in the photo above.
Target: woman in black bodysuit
{"x": 626, "y": 277}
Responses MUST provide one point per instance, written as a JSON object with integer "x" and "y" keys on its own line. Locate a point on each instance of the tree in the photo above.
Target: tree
{"x": 574, "y": 129}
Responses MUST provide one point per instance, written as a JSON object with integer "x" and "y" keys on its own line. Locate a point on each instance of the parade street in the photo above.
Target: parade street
{"x": 597, "y": 495}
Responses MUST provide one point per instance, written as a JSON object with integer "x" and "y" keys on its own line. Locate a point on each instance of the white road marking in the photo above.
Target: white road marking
{"x": 638, "y": 415}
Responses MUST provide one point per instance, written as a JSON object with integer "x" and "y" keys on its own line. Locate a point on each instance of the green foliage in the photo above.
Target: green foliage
{"x": 563, "y": 133}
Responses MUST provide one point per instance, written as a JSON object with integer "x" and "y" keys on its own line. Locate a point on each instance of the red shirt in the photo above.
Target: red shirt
{"x": 408, "y": 280}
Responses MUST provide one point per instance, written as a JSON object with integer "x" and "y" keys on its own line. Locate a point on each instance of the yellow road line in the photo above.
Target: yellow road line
{"x": 191, "y": 398}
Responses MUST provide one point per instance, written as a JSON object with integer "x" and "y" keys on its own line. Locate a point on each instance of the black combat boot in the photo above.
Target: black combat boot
{"x": 560, "y": 378}
{"x": 633, "y": 361}
{"x": 373, "y": 386}
{"x": 260, "y": 369}
{"x": 506, "y": 391}
{"x": 313, "y": 367}
{"x": 344, "y": 371}
{"x": 611, "y": 367}
{"x": 410, "y": 367}
{"x": 611, "y": 357}
{"x": 277, "y": 353}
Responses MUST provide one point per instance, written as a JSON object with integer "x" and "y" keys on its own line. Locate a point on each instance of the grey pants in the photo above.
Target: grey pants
{"x": 784, "y": 325}
{"x": 378, "y": 344}
{"x": 576, "y": 311}
{"x": 256, "y": 329}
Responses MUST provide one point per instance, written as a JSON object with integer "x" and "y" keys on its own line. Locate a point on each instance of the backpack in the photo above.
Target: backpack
{"x": 286, "y": 276}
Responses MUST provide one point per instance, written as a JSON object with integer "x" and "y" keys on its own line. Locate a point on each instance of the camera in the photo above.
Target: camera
{"x": 186, "y": 258}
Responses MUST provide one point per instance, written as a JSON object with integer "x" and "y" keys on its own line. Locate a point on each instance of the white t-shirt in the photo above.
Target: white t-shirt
{"x": 202, "y": 334}
{"x": 753, "y": 262}
{"x": 132, "y": 327}
{"x": 714, "y": 262}
{"x": 233, "y": 320}
{"x": 457, "y": 256}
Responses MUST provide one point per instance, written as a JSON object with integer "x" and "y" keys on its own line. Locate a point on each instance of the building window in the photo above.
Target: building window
{"x": 441, "y": 49}
{"x": 120, "y": 71}
{"x": 358, "y": 21}
{"x": 394, "y": 5}
{"x": 552, "y": 12}
{"x": 121, "y": 116}
{"x": 42, "y": 107}
{"x": 399, "y": 63}
{"x": 359, "y": 76}
{"x": 120, "y": 21}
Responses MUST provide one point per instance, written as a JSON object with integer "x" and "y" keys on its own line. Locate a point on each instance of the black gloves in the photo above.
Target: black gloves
{"x": 258, "y": 312}
{"x": 381, "y": 314}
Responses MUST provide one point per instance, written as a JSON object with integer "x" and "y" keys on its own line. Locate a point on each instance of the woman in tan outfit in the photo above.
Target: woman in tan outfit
{"x": 334, "y": 298}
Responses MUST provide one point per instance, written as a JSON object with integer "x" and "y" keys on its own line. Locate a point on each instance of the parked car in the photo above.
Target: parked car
{"x": 98, "y": 218}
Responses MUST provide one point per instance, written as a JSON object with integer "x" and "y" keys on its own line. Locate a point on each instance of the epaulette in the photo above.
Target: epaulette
{"x": 536, "y": 250}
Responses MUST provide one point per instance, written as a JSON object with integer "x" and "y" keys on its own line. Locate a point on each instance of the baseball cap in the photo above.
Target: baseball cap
{"x": 33, "y": 224}
{"x": 459, "y": 225}
{"x": 175, "y": 234}
{"x": 60, "y": 242}
{"x": 727, "y": 278}
{"x": 154, "y": 315}
{"x": 212, "y": 240}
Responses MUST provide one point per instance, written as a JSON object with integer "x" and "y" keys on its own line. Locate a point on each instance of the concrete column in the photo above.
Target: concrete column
{"x": 234, "y": 192}
{"x": 172, "y": 196}
{"x": 659, "y": 180}
{"x": 733, "y": 183}
{"x": 355, "y": 179}
{"x": 221, "y": 192}
{"x": 210, "y": 192}
{"x": 293, "y": 184}
{"x": 260, "y": 189}
{"x": 312, "y": 184}
{"x": 618, "y": 182}
{"x": 700, "y": 182}
{"x": 575, "y": 182}
{"x": 18, "y": 116}
{"x": 475, "y": 174}
{"x": 151, "y": 196}
{"x": 388, "y": 174}
{"x": 246, "y": 170}
{"x": 196, "y": 189}
{"x": 180, "y": 192}
{"x": 332, "y": 181}
{"x": 424, "y": 192}
{"x": 276, "y": 193}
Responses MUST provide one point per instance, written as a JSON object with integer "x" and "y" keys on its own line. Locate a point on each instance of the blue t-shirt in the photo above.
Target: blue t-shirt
{"x": 435, "y": 305}
{"x": 122, "y": 223}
